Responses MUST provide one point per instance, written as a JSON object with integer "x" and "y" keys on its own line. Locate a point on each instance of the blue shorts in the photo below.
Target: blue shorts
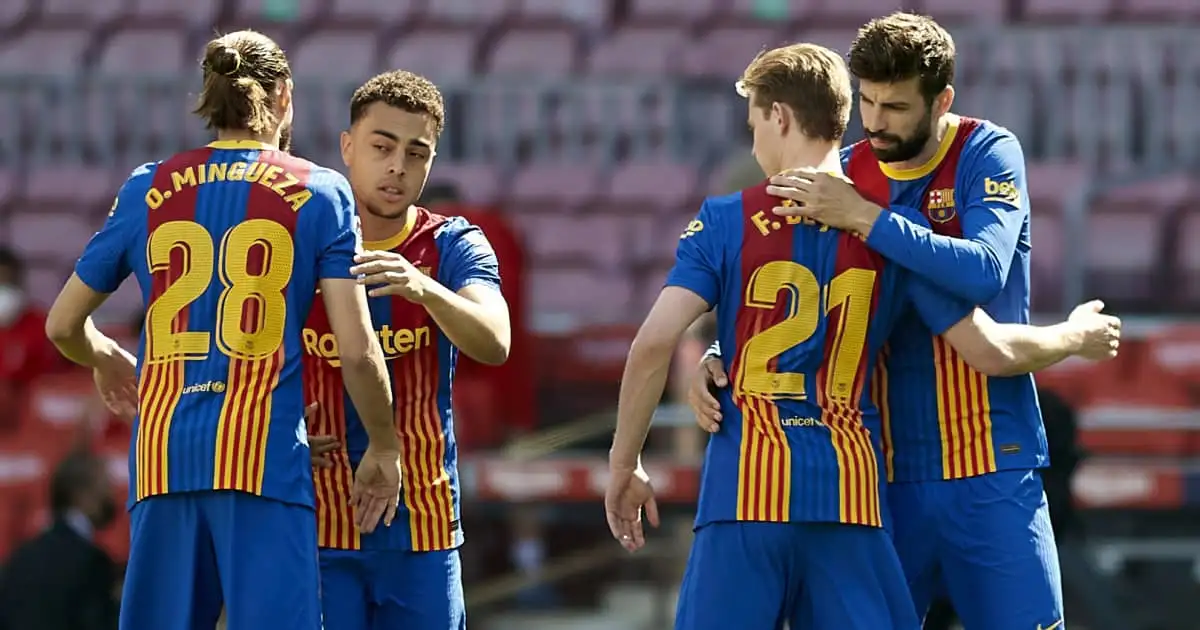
{"x": 755, "y": 576}
{"x": 985, "y": 542}
{"x": 387, "y": 589}
{"x": 193, "y": 552}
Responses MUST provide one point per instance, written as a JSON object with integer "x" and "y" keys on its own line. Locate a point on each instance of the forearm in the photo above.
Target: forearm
{"x": 480, "y": 331}
{"x": 1027, "y": 348}
{"x": 367, "y": 383}
{"x": 968, "y": 269}
{"x": 82, "y": 344}
{"x": 642, "y": 385}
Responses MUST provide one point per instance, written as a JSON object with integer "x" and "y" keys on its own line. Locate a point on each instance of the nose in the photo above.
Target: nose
{"x": 871, "y": 119}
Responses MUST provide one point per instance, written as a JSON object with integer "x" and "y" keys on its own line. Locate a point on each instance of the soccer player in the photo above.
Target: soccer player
{"x": 790, "y": 520}
{"x": 963, "y": 430}
{"x": 435, "y": 291}
{"x": 229, "y": 243}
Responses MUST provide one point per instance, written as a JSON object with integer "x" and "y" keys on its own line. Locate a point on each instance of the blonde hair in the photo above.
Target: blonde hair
{"x": 811, "y": 79}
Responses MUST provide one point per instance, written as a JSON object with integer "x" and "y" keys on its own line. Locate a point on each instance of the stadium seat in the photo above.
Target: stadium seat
{"x": 441, "y": 55}
{"x": 47, "y": 278}
{"x": 579, "y": 296}
{"x": 196, "y": 13}
{"x": 1160, "y": 10}
{"x": 1123, "y": 252}
{"x": 725, "y": 51}
{"x": 1072, "y": 10}
{"x": 983, "y": 12}
{"x": 477, "y": 184}
{"x": 548, "y": 53}
{"x": 125, "y": 52}
{"x": 374, "y": 12}
{"x": 14, "y": 11}
{"x": 77, "y": 186}
{"x": 348, "y": 54}
{"x": 554, "y": 239}
{"x": 11, "y": 185}
{"x": 468, "y": 12}
{"x": 92, "y": 12}
{"x": 1053, "y": 185}
{"x": 1188, "y": 264}
{"x": 1175, "y": 349}
{"x": 122, "y": 306}
{"x": 44, "y": 235}
{"x": 836, "y": 39}
{"x": 661, "y": 183}
{"x": 857, "y": 12}
{"x": 750, "y": 10}
{"x": 53, "y": 51}
{"x": 256, "y": 13}
{"x": 638, "y": 51}
{"x": 564, "y": 185}
{"x": 672, "y": 12}
{"x": 582, "y": 12}
{"x": 1046, "y": 259}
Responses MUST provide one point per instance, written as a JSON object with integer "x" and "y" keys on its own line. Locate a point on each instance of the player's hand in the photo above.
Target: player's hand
{"x": 1101, "y": 333}
{"x": 319, "y": 446}
{"x": 390, "y": 274}
{"x": 711, "y": 373}
{"x": 375, "y": 494}
{"x": 823, "y": 197}
{"x": 115, "y": 376}
{"x": 629, "y": 491}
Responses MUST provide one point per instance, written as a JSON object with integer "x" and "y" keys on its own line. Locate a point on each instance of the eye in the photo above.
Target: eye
{"x": 416, "y": 155}
{"x": 382, "y": 148}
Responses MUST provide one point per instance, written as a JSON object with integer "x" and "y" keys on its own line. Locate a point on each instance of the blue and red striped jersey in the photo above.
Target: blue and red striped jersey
{"x": 421, "y": 364}
{"x": 802, "y": 312}
{"x": 227, "y": 243}
{"x": 941, "y": 418}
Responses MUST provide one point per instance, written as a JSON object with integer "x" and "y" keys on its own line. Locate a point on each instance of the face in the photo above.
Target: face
{"x": 897, "y": 120}
{"x": 389, "y": 152}
{"x": 769, "y": 127}
{"x": 99, "y": 504}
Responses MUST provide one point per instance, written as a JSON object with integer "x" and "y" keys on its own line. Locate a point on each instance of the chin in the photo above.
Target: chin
{"x": 387, "y": 211}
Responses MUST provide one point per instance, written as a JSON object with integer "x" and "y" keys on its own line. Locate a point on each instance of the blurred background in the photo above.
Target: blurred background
{"x": 581, "y": 135}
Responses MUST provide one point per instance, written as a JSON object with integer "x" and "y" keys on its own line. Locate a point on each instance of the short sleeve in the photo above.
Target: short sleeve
{"x": 698, "y": 257}
{"x": 105, "y": 264}
{"x": 467, "y": 257}
{"x": 940, "y": 310}
{"x": 337, "y": 230}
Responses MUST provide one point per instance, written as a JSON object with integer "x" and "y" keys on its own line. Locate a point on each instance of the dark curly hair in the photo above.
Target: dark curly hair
{"x": 904, "y": 46}
{"x": 400, "y": 89}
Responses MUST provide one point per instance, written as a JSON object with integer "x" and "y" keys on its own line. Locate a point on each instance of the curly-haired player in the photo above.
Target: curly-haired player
{"x": 434, "y": 291}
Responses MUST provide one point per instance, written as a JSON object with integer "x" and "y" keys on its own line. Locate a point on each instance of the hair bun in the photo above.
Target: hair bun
{"x": 225, "y": 60}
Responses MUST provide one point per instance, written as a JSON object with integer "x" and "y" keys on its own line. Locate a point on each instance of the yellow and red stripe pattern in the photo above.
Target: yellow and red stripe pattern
{"x": 764, "y": 464}
{"x": 428, "y": 496}
{"x": 245, "y": 422}
{"x": 159, "y": 389}
{"x": 964, "y": 415}
{"x": 335, "y": 518}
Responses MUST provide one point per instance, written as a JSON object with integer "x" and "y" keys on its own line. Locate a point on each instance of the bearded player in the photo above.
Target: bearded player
{"x": 434, "y": 290}
{"x": 963, "y": 431}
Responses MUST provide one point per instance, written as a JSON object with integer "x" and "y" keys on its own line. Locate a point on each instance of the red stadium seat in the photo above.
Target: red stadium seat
{"x": 592, "y": 354}
{"x": 438, "y": 54}
{"x": 374, "y": 12}
{"x": 468, "y": 12}
{"x": 1054, "y": 185}
{"x": 588, "y": 13}
{"x": 1161, "y": 10}
{"x": 1123, "y": 253}
{"x": 660, "y": 183}
{"x": 1046, "y": 258}
{"x": 549, "y": 52}
{"x": 91, "y": 12}
{"x": 555, "y": 239}
{"x": 13, "y": 11}
{"x": 44, "y": 186}
{"x": 125, "y": 51}
{"x": 673, "y": 12}
{"x": 638, "y": 50}
{"x": 1037, "y": 10}
{"x": 201, "y": 13}
{"x": 50, "y": 236}
{"x": 477, "y": 184}
{"x": 1188, "y": 263}
{"x": 335, "y": 54}
{"x": 1175, "y": 349}
{"x": 857, "y": 12}
{"x": 958, "y": 12}
{"x": 567, "y": 298}
{"x": 724, "y": 51}
{"x": 565, "y": 185}
{"x": 836, "y": 39}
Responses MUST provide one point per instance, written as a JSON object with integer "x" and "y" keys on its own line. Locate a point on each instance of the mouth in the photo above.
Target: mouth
{"x": 880, "y": 143}
{"x": 392, "y": 194}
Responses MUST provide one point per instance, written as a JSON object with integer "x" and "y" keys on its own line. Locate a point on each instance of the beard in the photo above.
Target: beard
{"x": 374, "y": 211}
{"x": 903, "y": 149}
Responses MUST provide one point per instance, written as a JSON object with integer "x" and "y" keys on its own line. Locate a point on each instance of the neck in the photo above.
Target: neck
{"x": 246, "y": 134}
{"x": 931, "y": 147}
{"x": 376, "y": 228}
{"x": 823, "y": 156}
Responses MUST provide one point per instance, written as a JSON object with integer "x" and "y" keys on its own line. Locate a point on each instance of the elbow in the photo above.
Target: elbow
{"x": 647, "y": 350}
{"x": 495, "y": 353}
{"x": 59, "y": 328}
{"x": 990, "y": 283}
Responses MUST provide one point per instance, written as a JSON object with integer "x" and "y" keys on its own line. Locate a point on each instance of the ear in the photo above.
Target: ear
{"x": 781, "y": 115}
{"x": 283, "y": 98}
{"x": 943, "y": 102}
{"x": 347, "y": 143}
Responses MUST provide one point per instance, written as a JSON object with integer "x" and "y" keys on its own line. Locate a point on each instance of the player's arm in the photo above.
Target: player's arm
{"x": 98, "y": 272}
{"x": 469, "y": 308}
{"x": 693, "y": 287}
{"x": 974, "y": 267}
{"x": 363, "y": 368}
{"x": 1009, "y": 349}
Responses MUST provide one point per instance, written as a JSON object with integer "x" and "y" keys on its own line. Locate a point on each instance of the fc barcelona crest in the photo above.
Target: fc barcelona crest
{"x": 941, "y": 205}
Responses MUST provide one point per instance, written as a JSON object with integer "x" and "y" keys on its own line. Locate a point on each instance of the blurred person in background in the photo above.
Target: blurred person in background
{"x": 220, "y": 477}
{"x": 25, "y": 353}
{"x": 434, "y": 291}
{"x": 62, "y": 580}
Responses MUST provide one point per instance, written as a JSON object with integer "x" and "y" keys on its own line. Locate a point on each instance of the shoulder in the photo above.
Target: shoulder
{"x": 142, "y": 176}
{"x": 323, "y": 179}
{"x": 454, "y": 231}
{"x": 985, "y": 137}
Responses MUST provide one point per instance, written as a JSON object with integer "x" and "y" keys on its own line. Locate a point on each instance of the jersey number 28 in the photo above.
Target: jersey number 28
{"x": 190, "y": 242}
